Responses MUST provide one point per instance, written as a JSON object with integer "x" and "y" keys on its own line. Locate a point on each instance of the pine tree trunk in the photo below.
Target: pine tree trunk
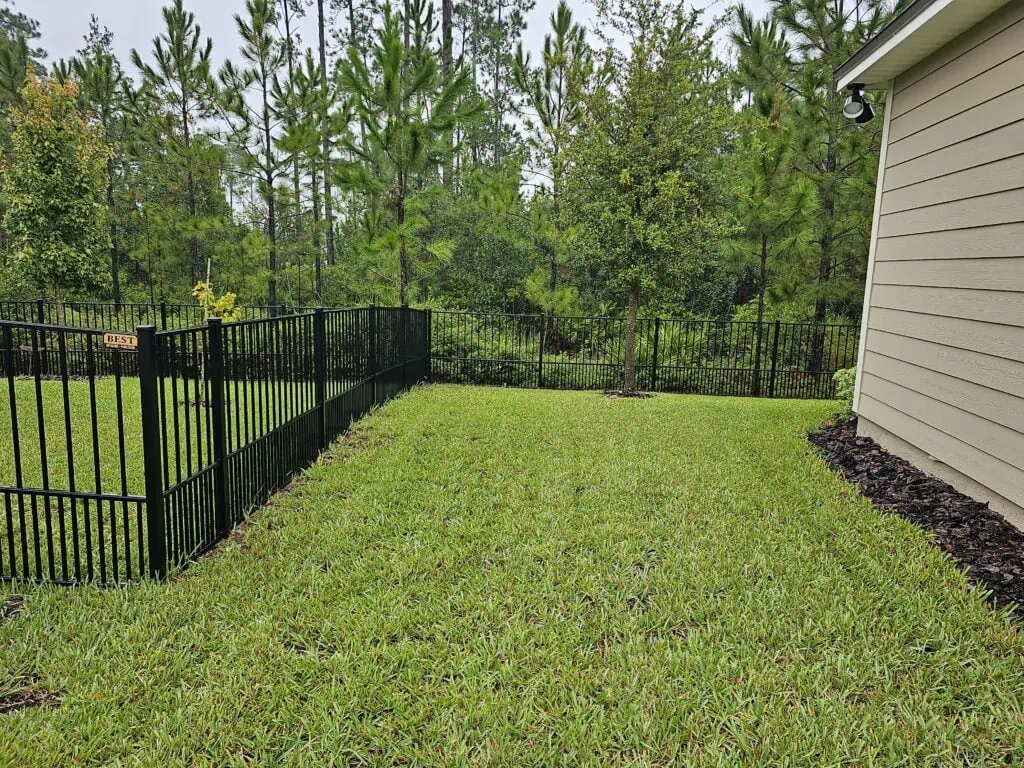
{"x": 268, "y": 148}
{"x": 196, "y": 261}
{"x": 115, "y": 276}
{"x": 325, "y": 140}
{"x": 629, "y": 374}
{"x": 296, "y": 179}
{"x": 446, "y": 36}
{"x": 315, "y": 182}
{"x": 755, "y": 386}
{"x": 446, "y": 68}
{"x": 498, "y": 53}
{"x": 403, "y": 254}
{"x": 827, "y": 243}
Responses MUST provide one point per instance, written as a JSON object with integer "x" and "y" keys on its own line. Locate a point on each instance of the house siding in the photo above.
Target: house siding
{"x": 942, "y": 373}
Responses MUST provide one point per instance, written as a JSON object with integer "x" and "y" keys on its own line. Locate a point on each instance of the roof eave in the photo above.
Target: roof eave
{"x": 921, "y": 29}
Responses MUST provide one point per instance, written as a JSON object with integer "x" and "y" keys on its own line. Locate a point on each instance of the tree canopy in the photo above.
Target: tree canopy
{"x": 658, "y": 162}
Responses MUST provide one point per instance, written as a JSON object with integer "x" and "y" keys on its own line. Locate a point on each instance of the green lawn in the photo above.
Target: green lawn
{"x": 107, "y": 447}
{"x": 495, "y": 577}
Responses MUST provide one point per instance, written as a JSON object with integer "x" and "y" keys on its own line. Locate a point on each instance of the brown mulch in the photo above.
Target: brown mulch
{"x": 989, "y": 548}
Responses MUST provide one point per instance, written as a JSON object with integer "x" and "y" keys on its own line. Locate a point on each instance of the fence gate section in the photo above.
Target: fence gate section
{"x": 133, "y": 453}
{"x": 74, "y": 508}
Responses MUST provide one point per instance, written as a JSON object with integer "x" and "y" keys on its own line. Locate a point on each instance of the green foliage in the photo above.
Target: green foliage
{"x": 774, "y": 208}
{"x": 785, "y": 65}
{"x": 54, "y": 190}
{"x": 408, "y": 108}
{"x": 644, "y": 192}
{"x": 222, "y": 306}
{"x": 846, "y": 382}
{"x": 603, "y": 172}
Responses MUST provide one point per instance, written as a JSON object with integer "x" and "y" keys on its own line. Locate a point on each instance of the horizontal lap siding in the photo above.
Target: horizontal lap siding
{"x": 943, "y": 367}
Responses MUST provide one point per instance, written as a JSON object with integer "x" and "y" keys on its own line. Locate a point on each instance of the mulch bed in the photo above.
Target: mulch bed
{"x": 990, "y": 549}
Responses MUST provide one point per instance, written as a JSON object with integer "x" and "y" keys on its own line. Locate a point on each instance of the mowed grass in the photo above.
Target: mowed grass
{"x": 492, "y": 577}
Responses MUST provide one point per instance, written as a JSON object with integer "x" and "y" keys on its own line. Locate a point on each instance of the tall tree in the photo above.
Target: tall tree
{"x": 794, "y": 53}
{"x": 643, "y": 186}
{"x": 504, "y": 31}
{"x": 102, "y": 81}
{"x": 408, "y": 108}
{"x": 248, "y": 107}
{"x": 180, "y": 77}
{"x": 54, "y": 189}
{"x": 551, "y": 92}
{"x": 15, "y": 25}
{"x": 774, "y": 209}
{"x": 325, "y": 140}
{"x": 286, "y": 101}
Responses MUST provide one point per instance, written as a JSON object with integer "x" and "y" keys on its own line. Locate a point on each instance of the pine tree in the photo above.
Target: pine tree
{"x": 836, "y": 155}
{"x": 551, "y": 93}
{"x": 408, "y": 108}
{"x": 325, "y": 140}
{"x": 102, "y": 95}
{"x": 180, "y": 79}
{"x": 774, "y": 209}
{"x": 254, "y": 124}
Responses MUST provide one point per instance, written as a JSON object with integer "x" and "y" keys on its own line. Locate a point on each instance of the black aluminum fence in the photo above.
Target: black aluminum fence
{"x": 126, "y": 463}
{"x": 785, "y": 360}
{"x": 126, "y": 316}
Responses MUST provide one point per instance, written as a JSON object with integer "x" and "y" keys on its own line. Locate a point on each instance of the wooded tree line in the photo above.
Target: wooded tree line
{"x": 423, "y": 154}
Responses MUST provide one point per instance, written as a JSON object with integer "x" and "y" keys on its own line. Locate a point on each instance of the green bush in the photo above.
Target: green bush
{"x": 845, "y": 381}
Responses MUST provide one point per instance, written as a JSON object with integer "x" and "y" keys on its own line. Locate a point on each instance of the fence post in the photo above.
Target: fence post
{"x": 320, "y": 374}
{"x": 775, "y": 360}
{"x": 152, "y": 470}
{"x": 373, "y": 353}
{"x": 44, "y": 362}
{"x": 755, "y": 380}
{"x": 540, "y": 353}
{"x": 428, "y": 360}
{"x": 654, "y": 362}
{"x": 403, "y": 348}
{"x": 163, "y": 314}
{"x": 220, "y": 469}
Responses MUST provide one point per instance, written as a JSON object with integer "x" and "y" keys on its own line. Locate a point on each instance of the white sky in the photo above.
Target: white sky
{"x": 135, "y": 23}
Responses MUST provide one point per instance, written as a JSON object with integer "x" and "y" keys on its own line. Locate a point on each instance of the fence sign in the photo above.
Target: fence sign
{"x": 120, "y": 340}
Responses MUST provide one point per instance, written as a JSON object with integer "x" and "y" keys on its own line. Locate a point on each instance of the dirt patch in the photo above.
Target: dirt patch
{"x": 616, "y": 394}
{"x": 363, "y": 437}
{"x": 989, "y": 548}
{"x": 12, "y": 607}
{"x": 26, "y": 697}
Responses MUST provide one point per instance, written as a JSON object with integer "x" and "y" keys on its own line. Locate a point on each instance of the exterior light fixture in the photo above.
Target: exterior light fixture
{"x": 857, "y": 107}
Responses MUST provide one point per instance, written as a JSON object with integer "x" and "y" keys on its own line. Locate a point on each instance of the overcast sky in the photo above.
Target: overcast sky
{"x": 135, "y": 23}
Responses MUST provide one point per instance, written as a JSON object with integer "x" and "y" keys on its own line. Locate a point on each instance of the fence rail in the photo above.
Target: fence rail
{"x": 126, "y": 463}
{"x": 784, "y": 360}
{"x": 127, "y": 316}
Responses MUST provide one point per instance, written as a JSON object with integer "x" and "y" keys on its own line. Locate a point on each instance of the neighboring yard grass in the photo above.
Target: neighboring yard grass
{"x": 51, "y": 394}
{"x": 538, "y": 578}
